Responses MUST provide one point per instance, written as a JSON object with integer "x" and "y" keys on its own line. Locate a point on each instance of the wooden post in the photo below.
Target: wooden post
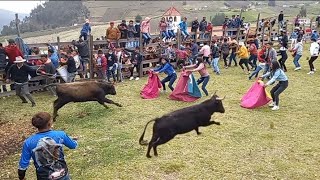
{"x": 257, "y": 26}
{"x": 91, "y": 57}
{"x": 178, "y": 38}
{"x": 238, "y": 31}
{"x": 17, "y": 24}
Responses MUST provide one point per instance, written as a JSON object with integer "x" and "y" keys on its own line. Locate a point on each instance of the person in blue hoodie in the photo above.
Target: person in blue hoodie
{"x": 314, "y": 35}
{"x": 184, "y": 28}
{"x": 85, "y": 31}
{"x": 167, "y": 68}
{"x": 53, "y": 55}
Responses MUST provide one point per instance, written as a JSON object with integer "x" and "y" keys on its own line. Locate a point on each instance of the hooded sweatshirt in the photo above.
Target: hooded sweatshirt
{"x": 54, "y": 57}
{"x": 12, "y": 52}
{"x": 243, "y": 53}
{"x": 86, "y": 28}
{"x": 145, "y": 25}
{"x": 314, "y": 49}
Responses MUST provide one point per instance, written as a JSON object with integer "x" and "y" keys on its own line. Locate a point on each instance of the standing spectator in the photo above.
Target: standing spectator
{"x": 280, "y": 19}
{"x": 53, "y": 55}
{"x": 170, "y": 26}
{"x": 47, "y": 138}
{"x": 83, "y": 50}
{"x": 71, "y": 66}
{"x": 194, "y": 27}
{"x": 225, "y": 25}
{"x": 3, "y": 63}
{"x": 283, "y": 50}
{"x": 145, "y": 29}
{"x": 85, "y": 31}
{"x": 314, "y": 52}
{"x": 163, "y": 29}
{"x": 225, "y": 50}
{"x": 184, "y": 28}
{"x": 131, "y": 34}
{"x": 208, "y": 30}
{"x": 215, "y": 57}
{"x": 296, "y": 21}
{"x": 137, "y": 33}
{"x": 194, "y": 52}
{"x": 136, "y": 59}
{"x": 112, "y": 65}
{"x": 101, "y": 65}
{"x": 244, "y": 57}
{"x": 233, "y": 47}
{"x": 203, "y": 27}
{"x": 123, "y": 32}
{"x": 253, "y": 55}
{"x": 112, "y": 34}
{"x": 19, "y": 73}
{"x": 297, "y": 52}
{"x": 205, "y": 51}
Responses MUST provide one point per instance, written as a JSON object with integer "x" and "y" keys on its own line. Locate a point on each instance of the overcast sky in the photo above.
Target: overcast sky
{"x": 19, "y": 6}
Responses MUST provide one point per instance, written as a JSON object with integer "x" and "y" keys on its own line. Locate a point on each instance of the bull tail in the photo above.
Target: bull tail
{"x": 141, "y": 141}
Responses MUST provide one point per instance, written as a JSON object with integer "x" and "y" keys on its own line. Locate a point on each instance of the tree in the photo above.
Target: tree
{"x": 218, "y": 19}
{"x": 303, "y": 11}
{"x": 138, "y": 18}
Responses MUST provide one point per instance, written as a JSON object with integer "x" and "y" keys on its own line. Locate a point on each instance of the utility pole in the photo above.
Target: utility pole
{"x": 17, "y": 24}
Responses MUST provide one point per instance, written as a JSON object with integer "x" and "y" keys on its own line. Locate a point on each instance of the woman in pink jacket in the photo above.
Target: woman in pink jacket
{"x": 145, "y": 30}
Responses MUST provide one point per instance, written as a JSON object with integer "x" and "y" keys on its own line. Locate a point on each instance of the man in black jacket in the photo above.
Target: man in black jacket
{"x": 280, "y": 19}
{"x": 124, "y": 32}
{"x": 136, "y": 59}
{"x": 19, "y": 73}
{"x": 83, "y": 50}
{"x": 194, "y": 27}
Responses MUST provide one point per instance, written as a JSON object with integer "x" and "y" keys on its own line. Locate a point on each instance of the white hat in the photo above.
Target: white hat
{"x": 241, "y": 43}
{"x": 19, "y": 59}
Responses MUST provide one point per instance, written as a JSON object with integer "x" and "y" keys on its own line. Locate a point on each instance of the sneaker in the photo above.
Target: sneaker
{"x": 275, "y": 108}
{"x": 311, "y": 72}
{"x": 217, "y": 73}
{"x": 271, "y": 104}
{"x": 137, "y": 78}
{"x": 298, "y": 68}
{"x": 131, "y": 78}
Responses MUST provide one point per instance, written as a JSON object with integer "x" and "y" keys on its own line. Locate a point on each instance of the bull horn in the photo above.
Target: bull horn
{"x": 220, "y": 99}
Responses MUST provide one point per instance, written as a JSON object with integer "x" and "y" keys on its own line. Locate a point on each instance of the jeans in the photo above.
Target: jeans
{"x": 165, "y": 35}
{"x": 84, "y": 35}
{"x": 112, "y": 71}
{"x": 215, "y": 65}
{"x": 146, "y": 38}
{"x": 253, "y": 60}
{"x": 169, "y": 79}
{"x": 22, "y": 90}
{"x": 171, "y": 34}
{"x": 312, "y": 59}
{"x": 193, "y": 58}
{"x": 204, "y": 81}
{"x": 233, "y": 57}
{"x": 256, "y": 71}
{"x": 71, "y": 77}
{"x": 296, "y": 60}
{"x": 119, "y": 72}
{"x": 277, "y": 90}
{"x": 84, "y": 63}
{"x": 224, "y": 56}
{"x": 185, "y": 34}
{"x": 202, "y": 34}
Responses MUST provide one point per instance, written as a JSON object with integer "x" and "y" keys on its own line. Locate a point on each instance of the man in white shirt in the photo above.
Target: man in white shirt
{"x": 314, "y": 51}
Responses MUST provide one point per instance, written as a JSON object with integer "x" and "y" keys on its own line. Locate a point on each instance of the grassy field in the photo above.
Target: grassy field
{"x": 249, "y": 144}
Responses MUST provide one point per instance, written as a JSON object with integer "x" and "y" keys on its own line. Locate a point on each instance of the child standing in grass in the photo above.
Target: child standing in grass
{"x": 205, "y": 77}
{"x": 277, "y": 75}
{"x": 167, "y": 68}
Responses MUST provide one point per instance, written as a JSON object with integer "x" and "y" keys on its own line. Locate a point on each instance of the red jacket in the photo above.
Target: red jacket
{"x": 253, "y": 49}
{"x": 261, "y": 55}
{"x": 12, "y": 51}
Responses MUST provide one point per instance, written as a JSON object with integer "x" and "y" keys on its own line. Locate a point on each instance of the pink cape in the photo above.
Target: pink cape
{"x": 180, "y": 92}
{"x": 255, "y": 97}
{"x": 151, "y": 89}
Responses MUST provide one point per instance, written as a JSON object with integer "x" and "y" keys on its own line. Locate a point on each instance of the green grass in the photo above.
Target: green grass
{"x": 245, "y": 146}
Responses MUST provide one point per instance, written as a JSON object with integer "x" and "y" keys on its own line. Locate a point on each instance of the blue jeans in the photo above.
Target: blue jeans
{"x": 296, "y": 60}
{"x": 169, "y": 79}
{"x": 84, "y": 35}
{"x": 112, "y": 71}
{"x": 185, "y": 34}
{"x": 165, "y": 34}
{"x": 215, "y": 65}
{"x": 204, "y": 81}
{"x": 233, "y": 57}
{"x": 193, "y": 58}
{"x": 146, "y": 38}
{"x": 253, "y": 60}
{"x": 202, "y": 34}
{"x": 171, "y": 34}
{"x": 256, "y": 72}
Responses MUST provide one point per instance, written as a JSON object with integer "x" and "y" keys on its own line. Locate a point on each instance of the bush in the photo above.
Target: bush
{"x": 218, "y": 19}
{"x": 138, "y": 18}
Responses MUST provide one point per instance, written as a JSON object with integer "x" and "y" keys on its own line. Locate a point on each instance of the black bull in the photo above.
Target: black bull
{"x": 83, "y": 92}
{"x": 182, "y": 121}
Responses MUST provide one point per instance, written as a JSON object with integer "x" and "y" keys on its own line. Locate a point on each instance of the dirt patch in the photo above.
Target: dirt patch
{"x": 12, "y": 136}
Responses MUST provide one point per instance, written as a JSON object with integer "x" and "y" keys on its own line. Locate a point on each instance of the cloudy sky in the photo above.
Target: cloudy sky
{"x": 19, "y": 6}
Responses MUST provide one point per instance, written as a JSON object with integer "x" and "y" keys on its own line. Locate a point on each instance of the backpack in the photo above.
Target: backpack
{"x": 47, "y": 155}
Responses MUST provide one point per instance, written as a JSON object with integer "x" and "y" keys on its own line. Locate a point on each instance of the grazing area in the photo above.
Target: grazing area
{"x": 249, "y": 144}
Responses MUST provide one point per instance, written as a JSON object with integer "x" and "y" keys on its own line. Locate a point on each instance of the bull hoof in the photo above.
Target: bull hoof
{"x": 156, "y": 155}
{"x": 198, "y": 133}
{"x": 148, "y": 156}
{"x": 119, "y": 105}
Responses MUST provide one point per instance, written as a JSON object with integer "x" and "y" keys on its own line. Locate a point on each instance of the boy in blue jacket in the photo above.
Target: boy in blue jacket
{"x": 85, "y": 31}
{"x": 167, "y": 68}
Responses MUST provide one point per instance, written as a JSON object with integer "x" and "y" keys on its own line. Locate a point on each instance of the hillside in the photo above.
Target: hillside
{"x": 7, "y": 16}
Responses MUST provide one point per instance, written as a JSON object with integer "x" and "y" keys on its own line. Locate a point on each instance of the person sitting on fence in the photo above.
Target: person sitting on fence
{"x": 49, "y": 70}
{"x": 123, "y": 32}
{"x": 136, "y": 59}
{"x": 166, "y": 68}
{"x": 184, "y": 29}
{"x": 53, "y": 55}
{"x": 131, "y": 34}
{"x": 71, "y": 65}
{"x": 85, "y": 31}
{"x": 145, "y": 30}
{"x": 42, "y": 148}
{"x": 208, "y": 30}
{"x": 194, "y": 27}
{"x": 3, "y": 64}
{"x": 101, "y": 65}
{"x": 170, "y": 29}
{"x": 83, "y": 50}
{"x": 202, "y": 28}
{"x": 163, "y": 30}
{"x": 111, "y": 65}
{"x": 19, "y": 73}
{"x": 112, "y": 34}
{"x": 201, "y": 68}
